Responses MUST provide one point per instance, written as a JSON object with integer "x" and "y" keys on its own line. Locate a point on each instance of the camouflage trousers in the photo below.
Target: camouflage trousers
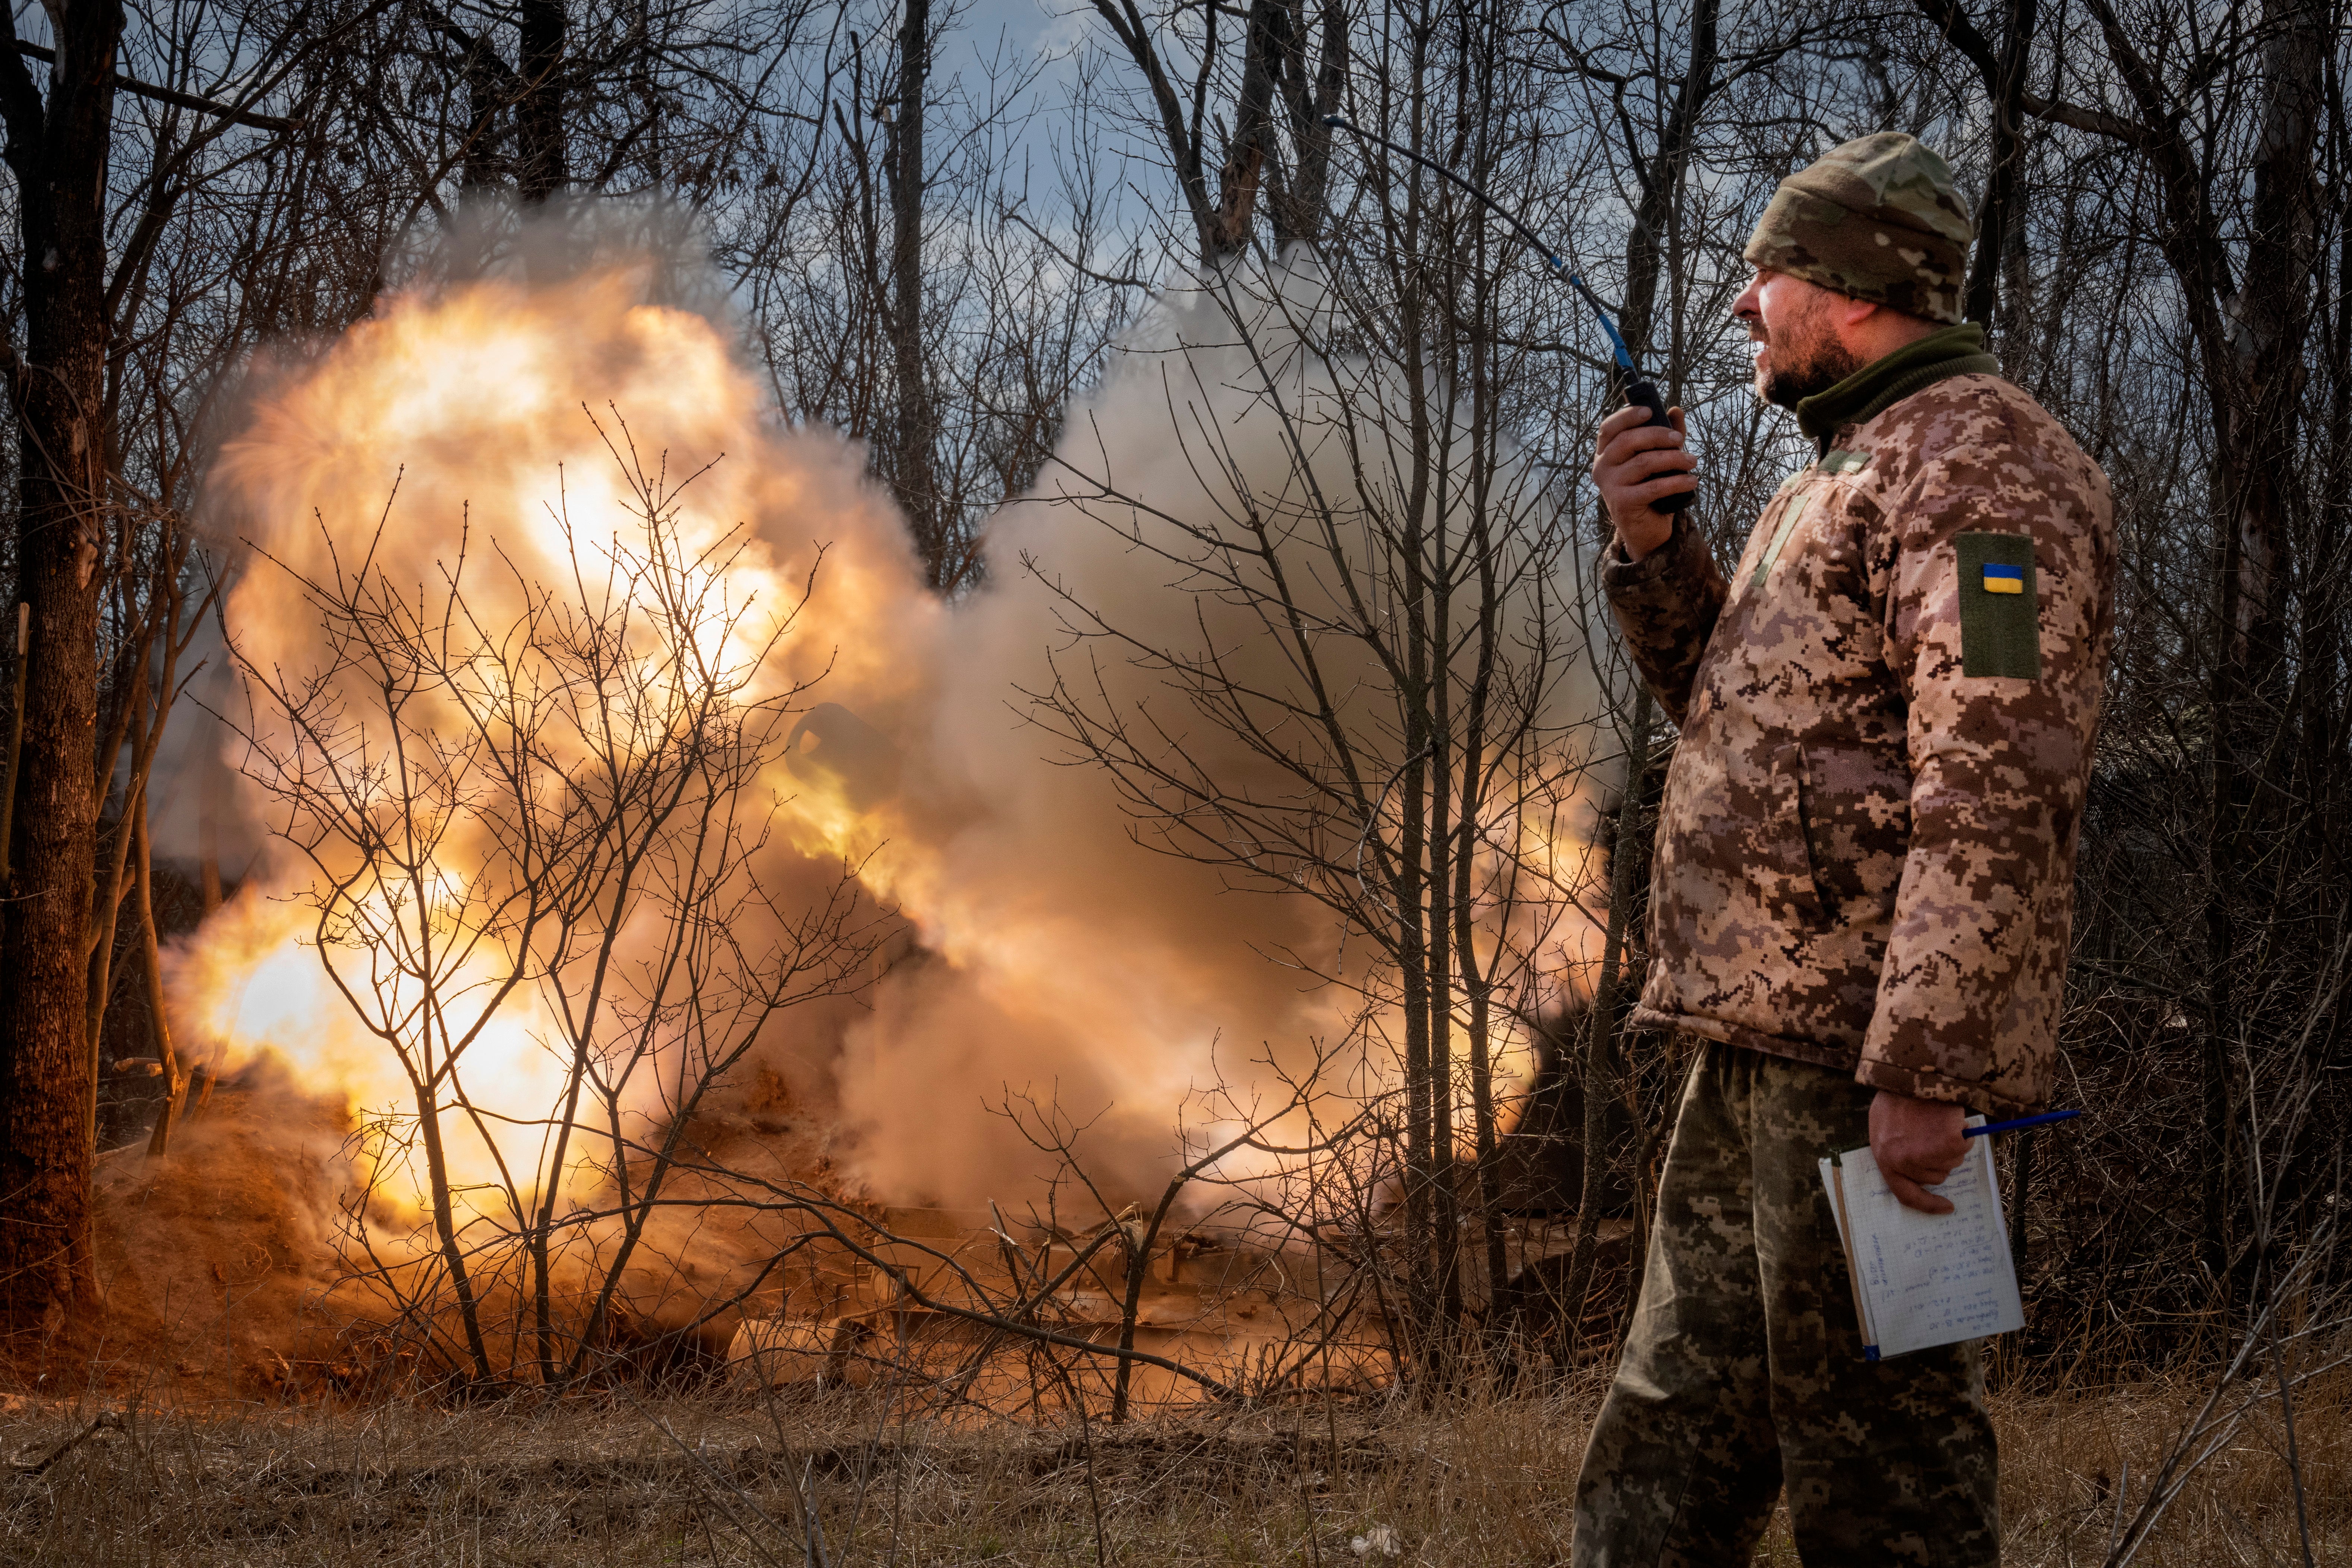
{"x": 1743, "y": 1373}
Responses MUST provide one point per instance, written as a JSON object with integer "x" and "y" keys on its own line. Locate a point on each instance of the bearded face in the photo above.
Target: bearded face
{"x": 1801, "y": 354}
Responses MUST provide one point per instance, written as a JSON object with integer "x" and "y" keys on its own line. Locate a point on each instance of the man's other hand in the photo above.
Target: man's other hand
{"x": 1917, "y": 1143}
{"x": 1635, "y": 464}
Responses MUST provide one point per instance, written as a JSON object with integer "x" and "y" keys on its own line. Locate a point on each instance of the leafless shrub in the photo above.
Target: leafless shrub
{"x": 541, "y": 798}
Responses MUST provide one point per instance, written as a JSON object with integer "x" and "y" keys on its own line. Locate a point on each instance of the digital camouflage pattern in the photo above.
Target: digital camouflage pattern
{"x": 1878, "y": 218}
{"x": 1865, "y": 855}
{"x": 1743, "y": 1373}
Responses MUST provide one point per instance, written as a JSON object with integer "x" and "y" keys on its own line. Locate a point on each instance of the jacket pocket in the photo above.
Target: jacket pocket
{"x": 1782, "y": 864}
{"x": 1855, "y": 807}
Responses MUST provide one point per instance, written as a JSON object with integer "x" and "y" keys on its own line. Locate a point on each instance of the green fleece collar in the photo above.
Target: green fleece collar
{"x": 1880, "y": 384}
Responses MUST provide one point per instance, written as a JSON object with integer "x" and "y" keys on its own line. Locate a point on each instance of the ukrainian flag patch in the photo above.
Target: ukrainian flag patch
{"x": 2000, "y": 615}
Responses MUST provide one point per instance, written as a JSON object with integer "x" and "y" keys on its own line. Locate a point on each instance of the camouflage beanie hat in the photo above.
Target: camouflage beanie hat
{"x": 1877, "y": 218}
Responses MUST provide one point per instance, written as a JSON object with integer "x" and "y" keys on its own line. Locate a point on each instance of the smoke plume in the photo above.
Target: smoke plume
{"x": 1055, "y": 945}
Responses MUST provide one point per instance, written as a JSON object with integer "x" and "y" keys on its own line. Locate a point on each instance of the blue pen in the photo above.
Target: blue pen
{"x": 2021, "y": 1123}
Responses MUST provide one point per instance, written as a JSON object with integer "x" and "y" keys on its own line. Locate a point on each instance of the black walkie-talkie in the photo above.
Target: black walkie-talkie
{"x": 1643, "y": 392}
{"x": 1640, "y": 391}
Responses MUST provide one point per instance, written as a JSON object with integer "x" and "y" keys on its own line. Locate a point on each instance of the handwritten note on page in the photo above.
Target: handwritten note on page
{"x": 1924, "y": 1279}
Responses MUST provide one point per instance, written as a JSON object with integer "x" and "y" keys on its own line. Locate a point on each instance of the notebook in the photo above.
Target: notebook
{"x": 1925, "y": 1279}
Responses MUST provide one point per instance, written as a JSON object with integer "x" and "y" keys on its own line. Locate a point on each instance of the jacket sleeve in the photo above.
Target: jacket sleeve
{"x": 1666, "y": 604}
{"x": 1970, "y": 991}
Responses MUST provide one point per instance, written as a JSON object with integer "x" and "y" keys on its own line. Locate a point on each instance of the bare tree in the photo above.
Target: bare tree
{"x": 1386, "y": 648}
{"x": 88, "y": 252}
{"x": 544, "y": 800}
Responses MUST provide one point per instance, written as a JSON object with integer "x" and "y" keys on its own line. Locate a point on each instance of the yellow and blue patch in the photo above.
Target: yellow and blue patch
{"x": 2000, "y": 631}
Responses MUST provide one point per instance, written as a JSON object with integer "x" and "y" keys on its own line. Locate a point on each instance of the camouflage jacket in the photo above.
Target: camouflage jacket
{"x": 1865, "y": 852}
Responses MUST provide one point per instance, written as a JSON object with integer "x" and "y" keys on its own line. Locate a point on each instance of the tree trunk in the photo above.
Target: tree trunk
{"x": 212, "y": 791}
{"x": 1651, "y": 252}
{"x": 1253, "y": 152}
{"x": 2002, "y": 207}
{"x": 484, "y": 166}
{"x": 1300, "y": 198}
{"x": 20, "y": 645}
{"x": 444, "y": 1224}
{"x": 914, "y": 478}
{"x": 2256, "y": 354}
{"x": 1626, "y": 869}
{"x": 542, "y": 168}
{"x": 1662, "y": 184}
{"x": 175, "y": 1079}
{"x": 58, "y": 150}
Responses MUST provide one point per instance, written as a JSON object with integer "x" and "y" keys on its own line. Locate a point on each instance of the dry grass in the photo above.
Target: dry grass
{"x": 719, "y": 1480}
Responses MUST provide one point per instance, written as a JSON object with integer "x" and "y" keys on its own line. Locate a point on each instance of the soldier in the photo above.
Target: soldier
{"x": 1858, "y": 919}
